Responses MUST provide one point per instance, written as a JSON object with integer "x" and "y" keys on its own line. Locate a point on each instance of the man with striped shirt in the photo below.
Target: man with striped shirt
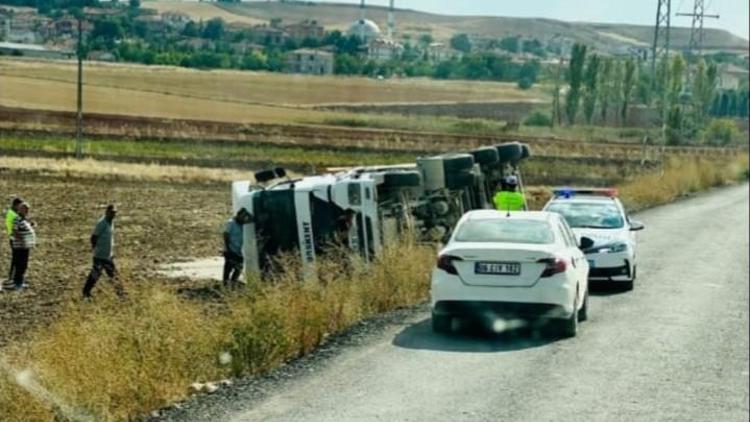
{"x": 23, "y": 240}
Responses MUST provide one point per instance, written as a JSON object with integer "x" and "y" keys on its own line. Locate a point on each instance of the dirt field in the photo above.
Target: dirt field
{"x": 158, "y": 223}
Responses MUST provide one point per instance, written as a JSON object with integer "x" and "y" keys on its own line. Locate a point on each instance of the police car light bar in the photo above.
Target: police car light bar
{"x": 566, "y": 192}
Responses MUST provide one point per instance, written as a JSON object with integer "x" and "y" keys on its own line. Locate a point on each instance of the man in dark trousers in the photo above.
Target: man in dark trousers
{"x": 102, "y": 244}
{"x": 10, "y": 218}
{"x": 23, "y": 239}
{"x": 234, "y": 261}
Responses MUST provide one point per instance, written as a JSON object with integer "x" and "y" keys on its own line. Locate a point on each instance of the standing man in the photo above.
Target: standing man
{"x": 508, "y": 199}
{"x": 10, "y": 218}
{"x": 234, "y": 261}
{"x": 23, "y": 240}
{"x": 102, "y": 244}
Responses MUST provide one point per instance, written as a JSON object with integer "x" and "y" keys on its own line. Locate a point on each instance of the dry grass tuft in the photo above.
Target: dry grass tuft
{"x": 114, "y": 360}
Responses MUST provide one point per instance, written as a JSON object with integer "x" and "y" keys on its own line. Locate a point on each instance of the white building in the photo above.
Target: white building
{"x": 382, "y": 49}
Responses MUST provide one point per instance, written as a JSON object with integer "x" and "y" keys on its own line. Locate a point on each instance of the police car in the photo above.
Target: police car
{"x": 599, "y": 215}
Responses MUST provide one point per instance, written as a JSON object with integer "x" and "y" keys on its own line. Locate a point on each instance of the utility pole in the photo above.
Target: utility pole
{"x": 79, "y": 101}
{"x": 660, "y": 51}
{"x": 661, "y": 44}
{"x": 697, "y": 33}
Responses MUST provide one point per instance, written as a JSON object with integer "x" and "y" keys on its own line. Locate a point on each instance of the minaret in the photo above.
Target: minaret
{"x": 362, "y": 20}
{"x": 391, "y": 21}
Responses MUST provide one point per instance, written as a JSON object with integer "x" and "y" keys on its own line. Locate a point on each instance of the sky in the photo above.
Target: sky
{"x": 734, "y": 13}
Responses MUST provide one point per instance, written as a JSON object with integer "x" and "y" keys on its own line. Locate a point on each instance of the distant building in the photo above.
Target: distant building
{"x": 365, "y": 29}
{"x": 268, "y": 35}
{"x": 382, "y": 49}
{"x": 33, "y": 50}
{"x": 101, "y": 56}
{"x": 306, "y": 29}
{"x": 176, "y": 20}
{"x": 732, "y": 77}
{"x": 439, "y": 52}
{"x": 21, "y": 27}
{"x": 310, "y": 62}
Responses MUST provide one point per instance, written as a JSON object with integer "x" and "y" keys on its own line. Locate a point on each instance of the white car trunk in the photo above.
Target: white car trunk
{"x": 499, "y": 265}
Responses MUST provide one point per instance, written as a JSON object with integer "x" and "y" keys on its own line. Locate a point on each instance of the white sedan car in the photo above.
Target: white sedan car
{"x": 510, "y": 266}
{"x": 599, "y": 215}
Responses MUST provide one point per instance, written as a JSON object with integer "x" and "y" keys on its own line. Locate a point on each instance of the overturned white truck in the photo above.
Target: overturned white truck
{"x": 378, "y": 203}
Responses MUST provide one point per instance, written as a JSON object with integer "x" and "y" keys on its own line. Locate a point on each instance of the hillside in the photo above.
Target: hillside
{"x": 339, "y": 16}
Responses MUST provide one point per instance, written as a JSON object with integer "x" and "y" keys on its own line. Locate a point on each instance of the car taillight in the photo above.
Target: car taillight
{"x": 553, "y": 266}
{"x": 445, "y": 263}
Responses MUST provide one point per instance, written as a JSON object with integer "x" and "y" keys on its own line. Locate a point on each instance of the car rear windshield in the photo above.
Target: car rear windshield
{"x": 506, "y": 231}
{"x": 589, "y": 215}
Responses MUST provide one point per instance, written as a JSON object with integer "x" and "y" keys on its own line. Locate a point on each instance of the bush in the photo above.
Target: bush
{"x": 721, "y": 132}
{"x": 538, "y": 118}
{"x": 525, "y": 83}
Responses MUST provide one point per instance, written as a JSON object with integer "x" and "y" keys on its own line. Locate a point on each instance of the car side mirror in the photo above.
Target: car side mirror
{"x": 585, "y": 243}
{"x": 636, "y": 226}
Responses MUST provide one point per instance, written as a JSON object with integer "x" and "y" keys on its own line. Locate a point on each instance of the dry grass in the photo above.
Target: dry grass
{"x": 261, "y": 87}
{"x": 112, "y": 360}
{"x": 199, "y": 11}
{"x": 681, "y": 177}
{"x": 108, "y": 170}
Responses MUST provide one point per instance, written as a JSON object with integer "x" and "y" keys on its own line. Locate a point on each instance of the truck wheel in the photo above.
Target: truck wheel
{"x": 453, "y": 163}
{"x": 525, "y": 151}
{"x": 406, "y": 179}
{"x": 509, "y": 152}
{"x": 485, "y": 156}
{"x": 460, "y": 180}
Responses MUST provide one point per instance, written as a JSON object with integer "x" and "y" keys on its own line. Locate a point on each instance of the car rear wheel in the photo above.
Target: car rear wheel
{"x": 441, "y": 323}
{"x": 569, "y": 327}
{"x": 583, "y": 314}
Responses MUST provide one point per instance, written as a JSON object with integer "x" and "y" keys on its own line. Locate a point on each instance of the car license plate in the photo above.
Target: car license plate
{"x": 592, "y": 263}
{"x": 498, "y": 268}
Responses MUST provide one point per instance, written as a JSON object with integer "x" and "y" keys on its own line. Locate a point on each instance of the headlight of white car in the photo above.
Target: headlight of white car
{"x": 611, "y": 248}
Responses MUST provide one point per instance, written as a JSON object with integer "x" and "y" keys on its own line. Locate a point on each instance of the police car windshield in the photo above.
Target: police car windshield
{"x": 505, "y": 231}
{"x": 589, "y": 215}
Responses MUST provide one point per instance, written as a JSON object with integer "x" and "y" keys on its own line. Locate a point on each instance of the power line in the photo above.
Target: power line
{"x": 697, "y": 31}
{"x": 661, "y": 44}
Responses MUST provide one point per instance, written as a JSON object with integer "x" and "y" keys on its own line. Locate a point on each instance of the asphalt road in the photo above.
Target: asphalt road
{"x": 676, "y": 348}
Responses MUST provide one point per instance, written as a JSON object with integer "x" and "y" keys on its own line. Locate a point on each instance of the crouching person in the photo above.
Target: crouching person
{"x": 102, "y": 244}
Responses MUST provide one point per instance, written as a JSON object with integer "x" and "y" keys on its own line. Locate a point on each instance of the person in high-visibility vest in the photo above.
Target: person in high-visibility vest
{"x": 508, "y": 198}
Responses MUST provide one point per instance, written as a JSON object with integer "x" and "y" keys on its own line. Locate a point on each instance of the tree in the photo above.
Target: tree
{"x": 628, "y": 83}
{"x": 674, "y": 126}
{"x": 605, "y": 88}
{"x": 591, "y": 79}
{"x": 461, "y": 42}
{"x": 426, "y": 39}
{"x": 214, "y": 29}
{"x": 191, "y": 30}
{"x": 511, "y": 44}
{"x": 134, "y": 5}
{"x": 575, "y": 78}
{"x": 704, "y": 90}
{"x": 676, "y": 75}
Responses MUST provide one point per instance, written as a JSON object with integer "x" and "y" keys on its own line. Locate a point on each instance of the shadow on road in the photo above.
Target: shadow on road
{"x": 470, "y": 338}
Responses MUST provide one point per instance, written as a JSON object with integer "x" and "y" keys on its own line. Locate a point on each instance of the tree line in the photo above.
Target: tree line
{"x": 686, "y": 95}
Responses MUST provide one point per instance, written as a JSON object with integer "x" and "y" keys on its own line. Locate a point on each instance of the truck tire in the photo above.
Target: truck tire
{"x": 485, "y": 156}
{"x": 525, "y": 151}
{"x": 404, "y": 179}
{"x": 265, "y": 176}
{"x": 510, "y": 152}
{"x": 460, "y": 180}
{"x": 454, "y": 163}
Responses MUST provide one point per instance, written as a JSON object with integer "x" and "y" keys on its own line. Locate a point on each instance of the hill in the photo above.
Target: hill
{"x": 603, "y": 36}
